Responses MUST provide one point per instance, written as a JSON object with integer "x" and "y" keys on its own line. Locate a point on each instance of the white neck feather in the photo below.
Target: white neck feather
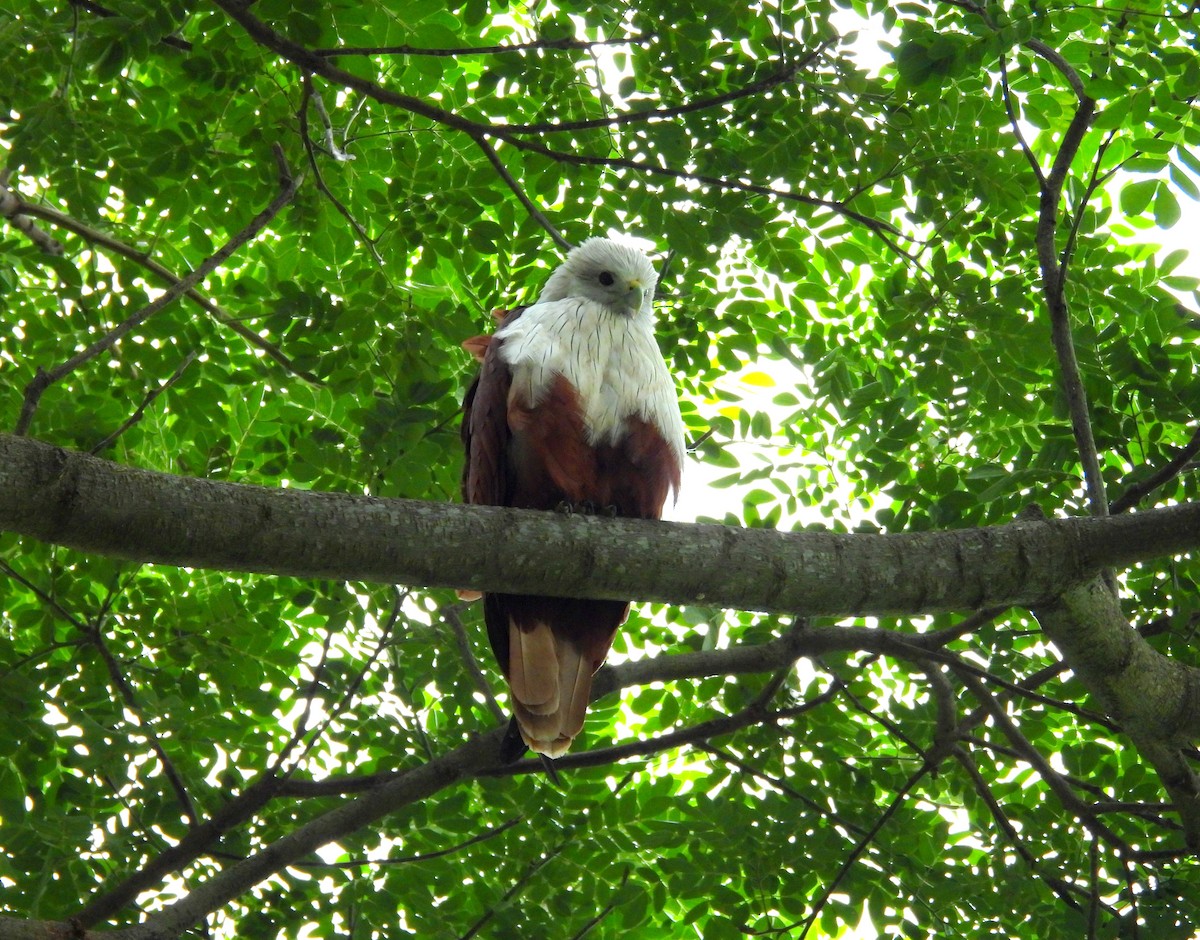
{"x": 611, "y": 359}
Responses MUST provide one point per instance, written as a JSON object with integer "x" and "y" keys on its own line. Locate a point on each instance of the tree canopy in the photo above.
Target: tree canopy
{"x": 918, "y": 320}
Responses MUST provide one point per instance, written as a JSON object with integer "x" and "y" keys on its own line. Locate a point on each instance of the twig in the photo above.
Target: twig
{"x": 151, "y": 395}
{"x": 859, "y": 848}
{"x": 883, "y": 230}
{"x": 197, "y": 842}
{"x": 131, "y": 702}
{"x": 1031, "y": 755}
{"x": 969, "y": 624}
{"x": 330, "y": 144}
{"x": 776, "y": 784}
{"x": 314, "y": 686}
{"x": 348, "y": 695}
{"x": 603, "y": 912}
{"x": 338, "y": 154}
{"x": 1006, "y": 94}
{"x": 536, "y": 865}
{"x": 1063, "y": 889}
{"x": 44, "y": 379}
{"x": 92, "y": 637}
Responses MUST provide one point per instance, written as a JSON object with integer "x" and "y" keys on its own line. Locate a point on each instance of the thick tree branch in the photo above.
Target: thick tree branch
{"x": 94, "y": 505}
{"x": 1155, "y": 699}
{"x": 12, "y": 208}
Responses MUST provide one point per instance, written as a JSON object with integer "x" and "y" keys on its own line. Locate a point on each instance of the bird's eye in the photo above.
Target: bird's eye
{"x": 606, "y": 278}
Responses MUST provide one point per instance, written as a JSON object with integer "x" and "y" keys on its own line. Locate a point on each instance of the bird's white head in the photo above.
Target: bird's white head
{"x": 616, "y": 275}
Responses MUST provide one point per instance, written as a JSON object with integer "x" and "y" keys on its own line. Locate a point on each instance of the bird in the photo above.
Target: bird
{"x": 573, "y": 409}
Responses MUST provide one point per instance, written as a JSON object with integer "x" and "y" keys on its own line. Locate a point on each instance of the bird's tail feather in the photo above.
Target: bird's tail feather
{"x": 551, "y": 683}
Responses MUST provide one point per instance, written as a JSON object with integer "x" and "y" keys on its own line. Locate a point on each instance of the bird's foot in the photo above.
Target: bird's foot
{"x": 586, "y": 508}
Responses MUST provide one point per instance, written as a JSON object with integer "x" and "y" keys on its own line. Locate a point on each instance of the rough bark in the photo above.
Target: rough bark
{"x": 93, "y": 505}
{"x": 1155, "y": 699}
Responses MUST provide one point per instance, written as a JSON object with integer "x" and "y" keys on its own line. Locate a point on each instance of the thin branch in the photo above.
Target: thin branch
{"x": 93, "y": 638}
{"x": 1180, "y": 462}
{"x": 423, "y": 856}
{"x": 96, "y": 237}
{"x": 335, "y": 151}
{"x": 534, "y": 212}
{"x": 314, "y": 686}
{"x": 196, "y": 843}
{"x": 148, "y": 400}
{"x": 537, "y": 864}
{"x": 175, "y": 42}
{"x": 307, "y": 60}
{"x": 1062, "y": 65}
{"x": 883, "y": 230}
{"x": 859, "y": 848}
{"x": 1063, "y": 889}
{"x": 44, "y": 379}
{"x": 603, "y": 912}
{"x": 1053, "y": 273}
{"x": 450, "y": 615}
{"x": 1094, "y": 183}
{"x": 1053, "y": 288}
{"x": 969, "y": 624}
{"x": 537, "y": 44}
{"x": 777, "y": 784}
{"x": 1006, "y": 94}
{"x": 350, "y": 692}
{"x": 1060, "y": 787}
{"x": 131, "y": 702}
{"x": 667, "y": 113}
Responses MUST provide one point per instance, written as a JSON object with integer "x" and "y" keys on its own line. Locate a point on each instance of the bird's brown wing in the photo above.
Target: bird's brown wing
{"x": 485, "y": 432}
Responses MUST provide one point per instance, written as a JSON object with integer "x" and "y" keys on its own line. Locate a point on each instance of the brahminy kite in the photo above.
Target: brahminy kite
{"x": 573, "y": 409}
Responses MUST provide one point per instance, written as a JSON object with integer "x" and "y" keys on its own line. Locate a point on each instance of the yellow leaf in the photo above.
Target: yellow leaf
{"x": 759, "y": 379}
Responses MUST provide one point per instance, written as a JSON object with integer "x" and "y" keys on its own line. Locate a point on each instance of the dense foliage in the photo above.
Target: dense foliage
{"x": 860, "y": 271}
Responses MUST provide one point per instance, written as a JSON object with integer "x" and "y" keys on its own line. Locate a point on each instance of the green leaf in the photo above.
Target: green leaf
{"x": 1166, "y": 208}
{"x": 1136, "y": 197}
